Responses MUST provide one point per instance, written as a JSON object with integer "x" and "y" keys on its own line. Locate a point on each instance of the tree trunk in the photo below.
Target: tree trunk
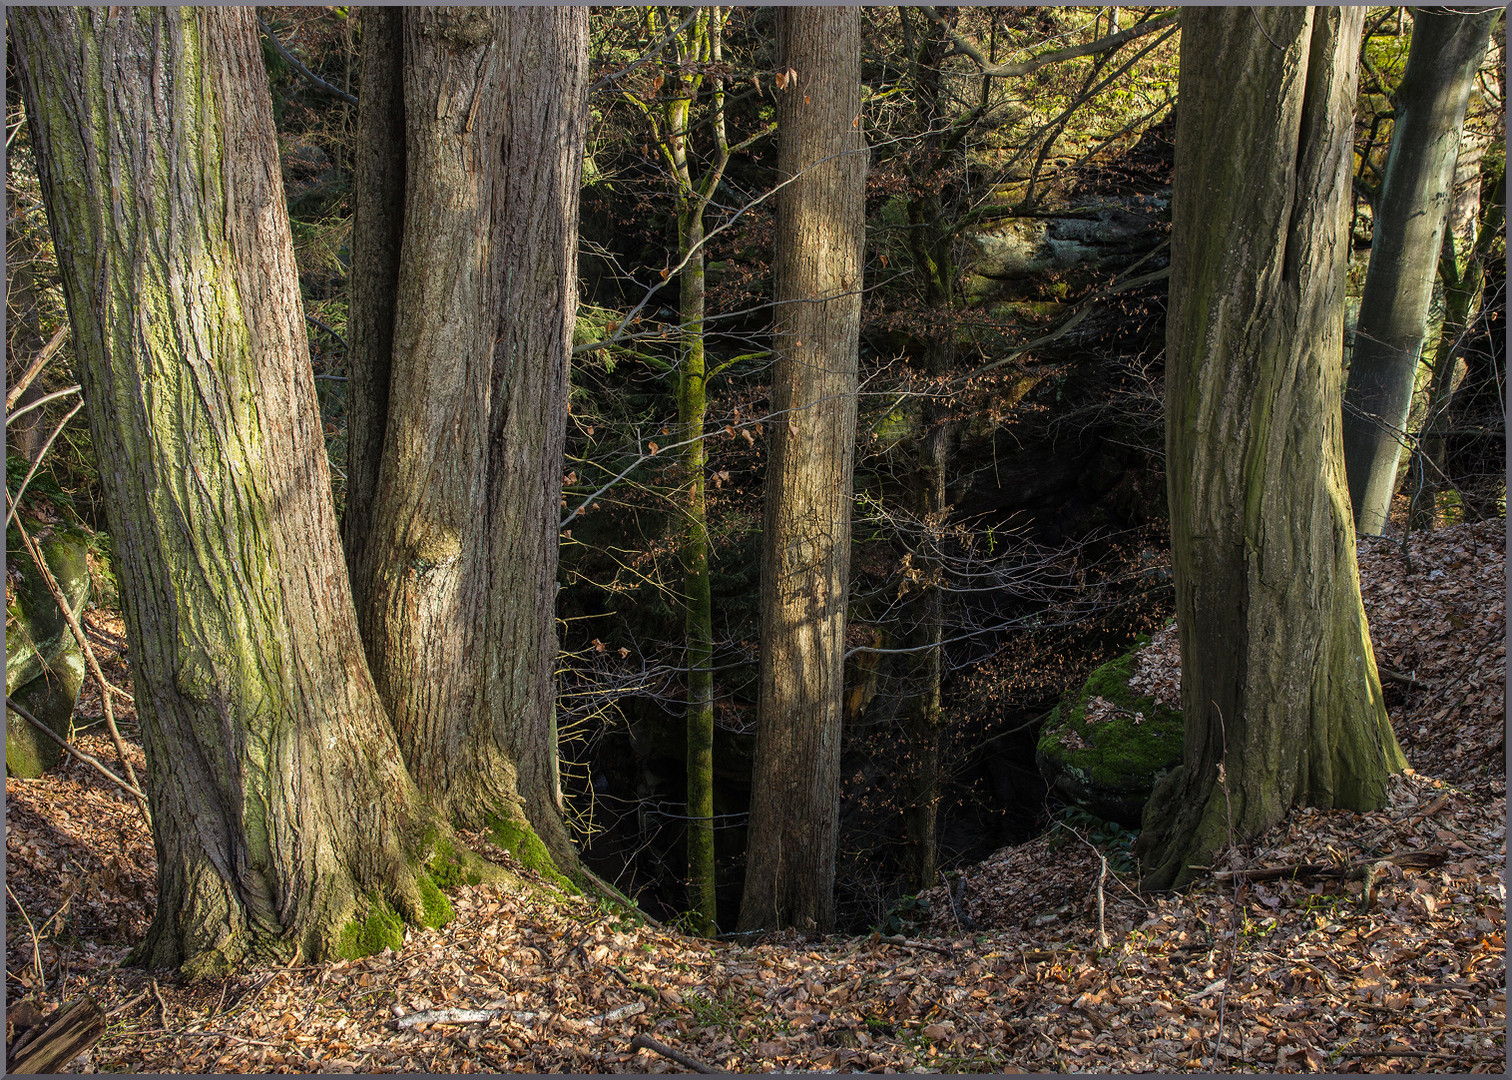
{"x": 698, "y": 619}
{"x": 1446, "y": 51}
{"x": 279, "y": 798}
{"x": 1279, "y": 685}
{"x": 820, "y": 228}
{"x": 1463, "y": 286}
{"x": 462, "y": 349}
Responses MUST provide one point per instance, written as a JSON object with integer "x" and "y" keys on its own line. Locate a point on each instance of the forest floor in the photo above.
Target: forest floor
{"x": 1337, "y": 942}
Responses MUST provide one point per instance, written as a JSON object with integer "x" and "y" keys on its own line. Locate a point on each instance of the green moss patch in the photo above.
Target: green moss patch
{"x": 1105, "y": 746}
{"x": 365, "y": 936}
{"x": 438, "y": 909}
{"x": 522, "y": 842}
{"x": 449, "y": 868}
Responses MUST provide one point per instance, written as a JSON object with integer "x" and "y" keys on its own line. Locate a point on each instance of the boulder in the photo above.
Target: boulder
{"x": 1104, "y": 746}
{"x": 43, "y": 665}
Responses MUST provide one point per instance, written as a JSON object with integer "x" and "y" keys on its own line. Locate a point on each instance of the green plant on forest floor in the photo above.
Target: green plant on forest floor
{"x": 1114, "y": 841}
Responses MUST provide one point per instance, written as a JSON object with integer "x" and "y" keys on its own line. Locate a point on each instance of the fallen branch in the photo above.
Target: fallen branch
{"x": 70, "y": 1031}
{"x": 910, "y": 943}
{"x": 449, "y": 1016}
{"x": 1410, "y": 860}
{"x": 646, "y": 1042}
{"x": 1405, "y": 680}
{"x": 88, "y": 759}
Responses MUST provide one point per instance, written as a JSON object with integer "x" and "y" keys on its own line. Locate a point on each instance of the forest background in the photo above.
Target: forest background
{"x": 1010, "y": 526}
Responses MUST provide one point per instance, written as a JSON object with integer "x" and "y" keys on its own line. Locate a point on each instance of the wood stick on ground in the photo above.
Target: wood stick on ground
{"x": 1411, "y": 860}
{"x": 1405, "y": 680}
{"x": 88, "y": 759}
{"x": 70, "y": 1031}
{"x": 92, "y": 661}
{"x": 910, "y": 943}
{"x": 646, "y": 1042}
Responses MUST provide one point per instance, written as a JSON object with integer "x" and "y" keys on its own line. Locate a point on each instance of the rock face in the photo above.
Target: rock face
{"x": 43, "y": 666}
{"x": 1105, "y": 746}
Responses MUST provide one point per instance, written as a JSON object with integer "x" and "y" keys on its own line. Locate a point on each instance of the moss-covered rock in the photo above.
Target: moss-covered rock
{"x": 43, "y": 666}
{"x": 1104, "y": 747}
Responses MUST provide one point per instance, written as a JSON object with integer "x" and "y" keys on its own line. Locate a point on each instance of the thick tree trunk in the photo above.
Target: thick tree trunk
{"x": 452, "y": 530}
{"x": 1279, "y": 685}
{"x": 1446, "y": 51}
{"x": 790, "y": 863}
{"x": 279, "y": 798}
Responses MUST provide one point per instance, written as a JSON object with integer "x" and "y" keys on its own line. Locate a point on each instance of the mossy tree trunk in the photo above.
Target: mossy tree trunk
{"x": 821, "y": 233}
{"x": 280, "y": 801}
{"x": 697, "y": 61}
{"x": 465, "y": 251}
{"x": 1280, "y": 692}
{"x": 1464, "y": 278}
{"x": 1445, "y": 54}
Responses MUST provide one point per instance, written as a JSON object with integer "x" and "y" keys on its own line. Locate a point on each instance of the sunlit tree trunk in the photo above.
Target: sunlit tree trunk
{"x": 467, "y": 238}
{"x": 820, "y": 228}
{"x": 1279, "y": 686}
{"x": 1446, "y": 51}
{"x": 281, "y": 806}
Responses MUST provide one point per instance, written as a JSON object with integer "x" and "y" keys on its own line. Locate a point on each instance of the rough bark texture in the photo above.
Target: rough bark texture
{"x": 279, "y": 797}
{"x": 790, "y": 862}
{"x": 1446, "y": 51}
{"x": 454, "y": 550}
{"x": 1279, "y": 685}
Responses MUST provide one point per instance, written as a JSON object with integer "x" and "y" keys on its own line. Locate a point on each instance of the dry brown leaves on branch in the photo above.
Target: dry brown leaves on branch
{"x": 1319, "y": 972}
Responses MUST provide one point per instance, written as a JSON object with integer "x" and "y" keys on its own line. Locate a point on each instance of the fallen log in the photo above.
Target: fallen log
{"x": 58, "y": 1039}
{"x": 1424, "y": 859}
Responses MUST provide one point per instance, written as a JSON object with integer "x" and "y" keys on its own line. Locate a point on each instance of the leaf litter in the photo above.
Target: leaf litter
{"x": 1378, "y": 947}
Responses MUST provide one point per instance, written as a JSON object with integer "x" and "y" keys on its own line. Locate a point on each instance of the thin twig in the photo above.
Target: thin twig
{"x": 36, "y": 949}
{"x": 15, "y": 502}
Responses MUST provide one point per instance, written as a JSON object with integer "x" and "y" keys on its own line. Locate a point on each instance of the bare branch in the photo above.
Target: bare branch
{"x": 963, "y": 47}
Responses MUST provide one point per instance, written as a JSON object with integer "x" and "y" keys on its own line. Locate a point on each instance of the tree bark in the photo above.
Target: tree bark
{"x": 820, "y": 228}
{"x": 1464, "y": 281}
{"x": 1446, "y": 51}
{"x": 1279, "y": 685}
{"x": 280, "y": 802}
{"x": 452, "y": 526}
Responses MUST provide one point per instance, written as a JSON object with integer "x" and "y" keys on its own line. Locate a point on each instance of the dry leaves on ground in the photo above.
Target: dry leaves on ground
{"x": 1311, "y": 971}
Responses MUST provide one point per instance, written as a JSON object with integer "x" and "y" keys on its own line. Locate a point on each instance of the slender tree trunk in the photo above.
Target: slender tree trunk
{"x": 463, "y": 348}
{"x": 1279, "y": 685}
{"x": 924, "y": 718}
{"x": 698, "y": 620}
{"x": 794, "y": 824}
{"x": 280, "y": 802}
{"x": 1446, "y": 51}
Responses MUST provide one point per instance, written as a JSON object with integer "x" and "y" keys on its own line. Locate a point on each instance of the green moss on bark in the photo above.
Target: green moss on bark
{"x": 521, "y": 841}
{"x": 366, "y": 934}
